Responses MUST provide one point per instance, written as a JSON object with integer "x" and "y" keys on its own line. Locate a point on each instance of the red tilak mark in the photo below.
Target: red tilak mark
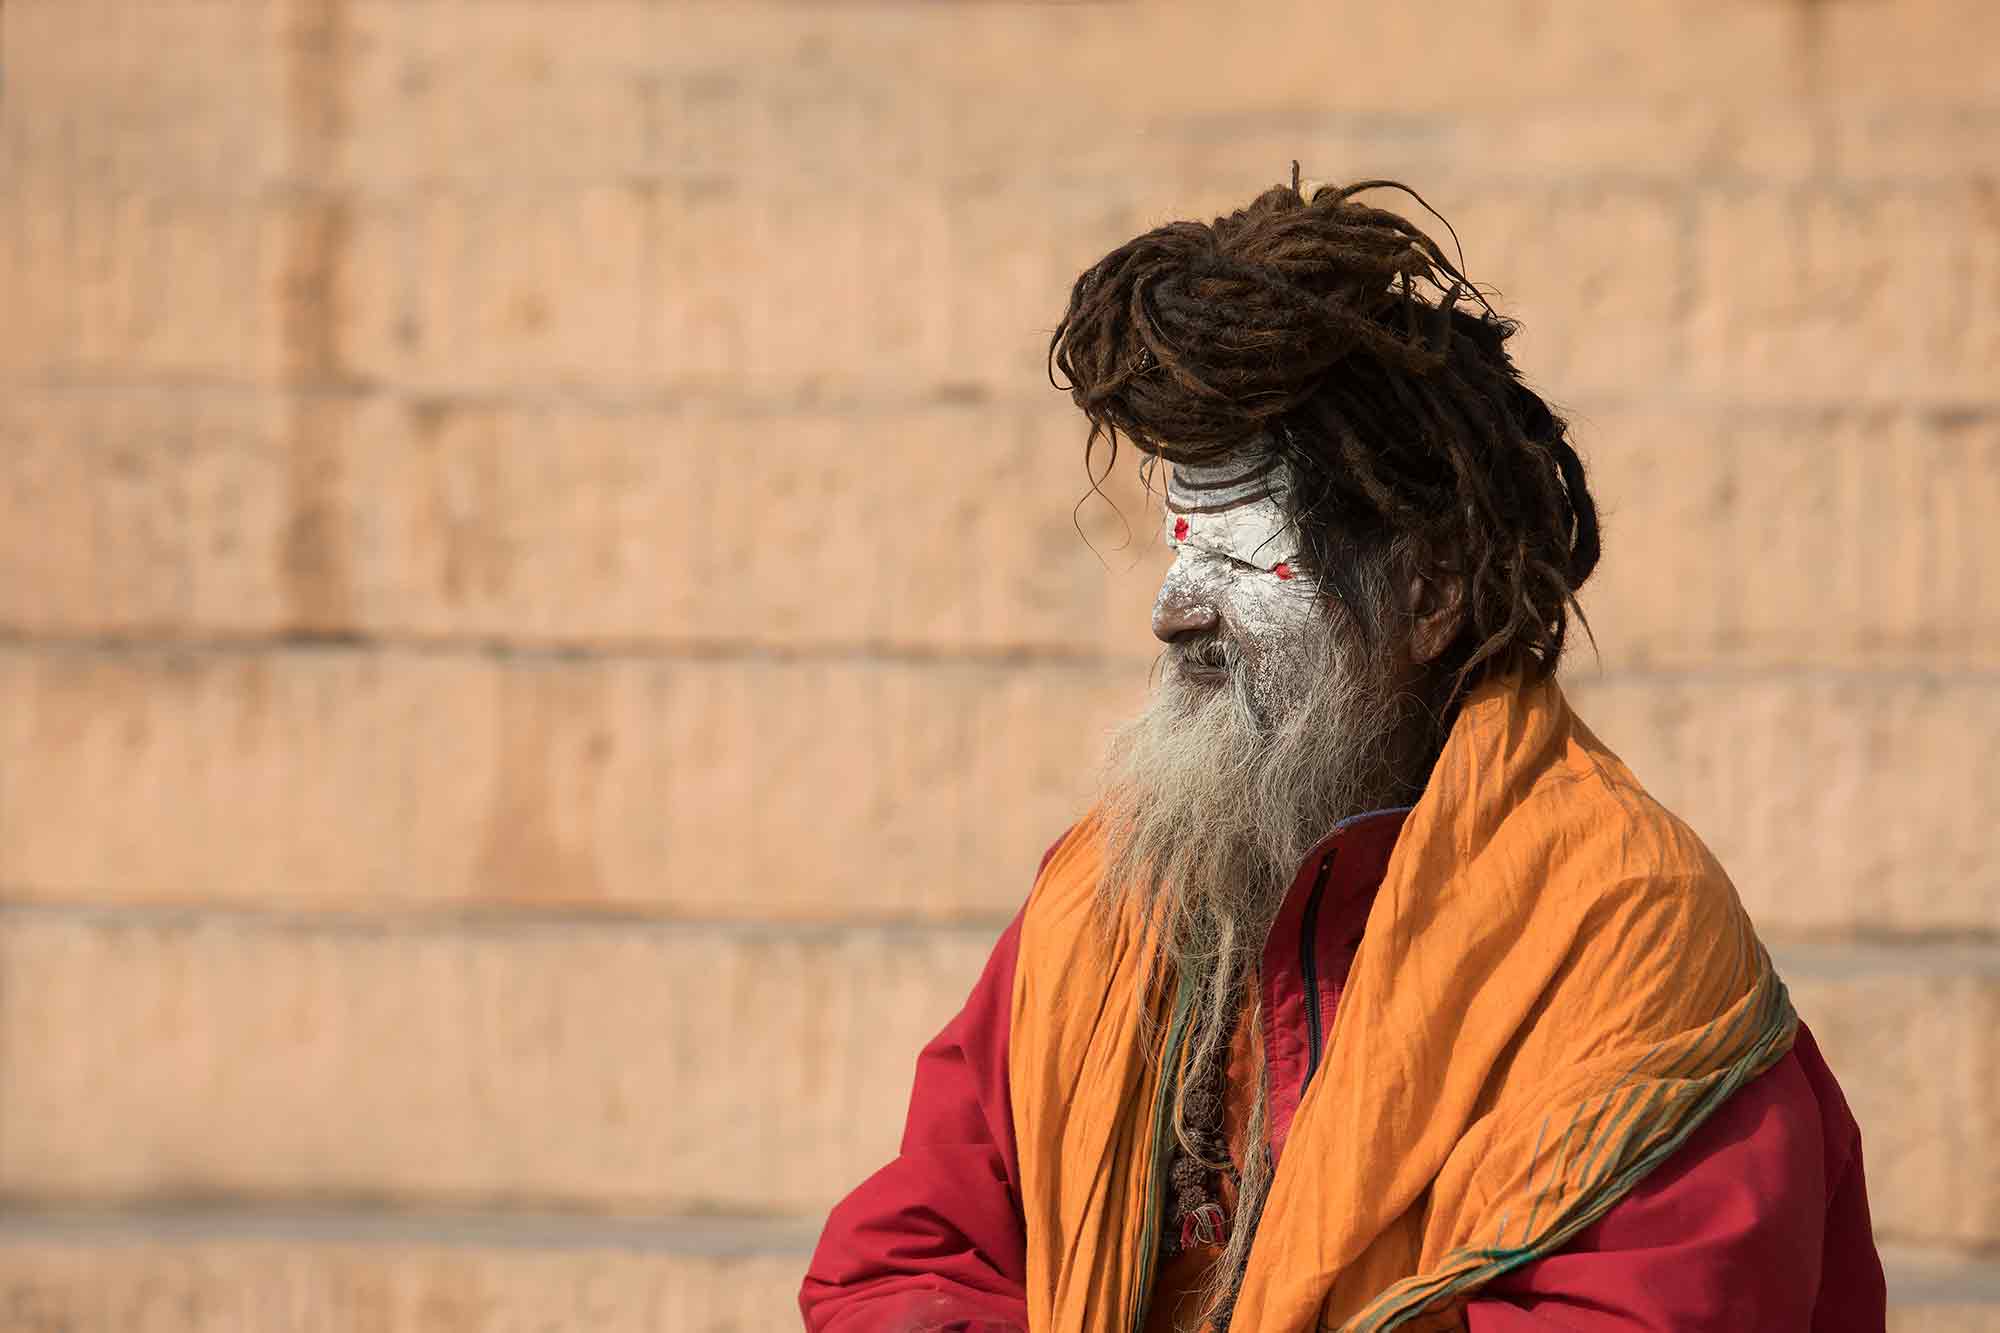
{"x": 1180, "y": 529}
{"x": 1283, "y": 570}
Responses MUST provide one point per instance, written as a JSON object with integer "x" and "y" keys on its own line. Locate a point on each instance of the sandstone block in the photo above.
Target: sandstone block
{"x": 632, "y": 1069}
{"x": 1814, "y": 294}
{"x": 1930, "y": 52}
{"x": 276, "y": 1287}
{"x": 460, "y": 290}
{"x": 878, "y": 288}
{"x": 342, "y": 781}
{"x": 35, "y": 275}
{"x": 1595, "y": 275}
{"x": 948, "y": 529}
{"x": 92, "y": 105}
{"x": 638, "y": 1070}
{"x": 1554, "y": 151}
{"x": 1853, "y": 539}
{"x": 1836, "y": 803}
{"x": 92, "y": 516}
{"x": 261, "y": 1287}
{"x": 942, "y": 528}
{"x": 164, "y": 284}
{"x": 527, "y": 97}
{"x": 357, "y": 780}
{"x": 1918, "y": 1063}
{"x": 1893, "y": 137}
{"x": 1218, "y": 62}
{"x": 1944, "y": 1319}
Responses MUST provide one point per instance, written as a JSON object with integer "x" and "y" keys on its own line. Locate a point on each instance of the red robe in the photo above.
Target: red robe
{"x": 1759, "y": 1221}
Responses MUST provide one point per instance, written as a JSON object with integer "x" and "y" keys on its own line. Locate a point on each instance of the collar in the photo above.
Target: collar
{"x": 1349, "y": 862}
{"x": 1312, "y": 945}
{"x": 1341, "y": 874}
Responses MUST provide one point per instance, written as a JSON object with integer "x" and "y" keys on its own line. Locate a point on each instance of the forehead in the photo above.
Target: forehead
{"x": 1232, "y": 511}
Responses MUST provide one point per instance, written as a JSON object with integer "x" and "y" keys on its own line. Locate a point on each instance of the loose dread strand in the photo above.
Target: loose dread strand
{"x": 1342, "y": 338}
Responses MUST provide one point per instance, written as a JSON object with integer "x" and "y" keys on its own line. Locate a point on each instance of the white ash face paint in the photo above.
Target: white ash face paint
{"x": 1231, "y": 513}
{"x": 1235, "y": 559}
{"x": 1256, "y": 534}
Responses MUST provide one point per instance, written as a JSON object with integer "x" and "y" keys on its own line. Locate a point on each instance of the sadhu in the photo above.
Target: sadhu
{"x": 1372, "y": 992}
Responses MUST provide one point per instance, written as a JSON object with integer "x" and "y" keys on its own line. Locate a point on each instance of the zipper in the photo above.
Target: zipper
{"x": 1309, "y": 971}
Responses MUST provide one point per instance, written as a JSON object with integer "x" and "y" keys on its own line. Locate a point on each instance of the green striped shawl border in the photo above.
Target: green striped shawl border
{"x": 1157, "y": 1153}
{"x": 1466, "y": 1269}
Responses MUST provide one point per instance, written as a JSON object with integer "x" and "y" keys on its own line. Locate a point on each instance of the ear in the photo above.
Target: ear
{"x": 1437, "y": 607}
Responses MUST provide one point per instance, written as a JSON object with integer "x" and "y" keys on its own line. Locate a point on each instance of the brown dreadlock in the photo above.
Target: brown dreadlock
{"x": 1339, "y": 338}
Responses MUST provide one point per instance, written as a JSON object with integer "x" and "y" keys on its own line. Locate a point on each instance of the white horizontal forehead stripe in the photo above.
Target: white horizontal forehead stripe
{"x": 1215, "y": 487}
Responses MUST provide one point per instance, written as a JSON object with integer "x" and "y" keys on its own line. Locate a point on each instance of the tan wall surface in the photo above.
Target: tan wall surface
{"x": 542, "y": 628}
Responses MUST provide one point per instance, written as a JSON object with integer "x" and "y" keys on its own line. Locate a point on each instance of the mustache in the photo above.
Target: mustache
{"x": 1204, "y": 652}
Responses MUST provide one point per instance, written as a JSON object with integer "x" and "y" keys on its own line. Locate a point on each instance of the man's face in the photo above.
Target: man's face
{"x": 1274, "y": 718}
{"x": 1235, "y": 599}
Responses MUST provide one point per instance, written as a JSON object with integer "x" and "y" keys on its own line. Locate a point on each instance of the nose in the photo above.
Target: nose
{"x": 1179, "y": 611}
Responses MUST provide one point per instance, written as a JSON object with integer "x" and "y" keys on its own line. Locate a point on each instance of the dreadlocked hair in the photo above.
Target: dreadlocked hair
{"x": 1338, "y": 339}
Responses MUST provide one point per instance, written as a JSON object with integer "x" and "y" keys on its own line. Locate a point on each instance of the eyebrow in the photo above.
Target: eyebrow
{"x": 1229, "y": 551}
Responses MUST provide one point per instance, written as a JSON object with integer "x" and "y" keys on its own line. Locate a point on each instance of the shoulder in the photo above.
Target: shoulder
{"x": 1764, "y": 1164}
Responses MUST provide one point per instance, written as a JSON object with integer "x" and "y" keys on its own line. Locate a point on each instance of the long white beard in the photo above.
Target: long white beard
{"x": 1211, "y": 802}
{"x": 1212, "y": 798}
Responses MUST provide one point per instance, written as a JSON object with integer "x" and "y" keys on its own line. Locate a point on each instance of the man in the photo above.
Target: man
{"x": 1373, "y": 992}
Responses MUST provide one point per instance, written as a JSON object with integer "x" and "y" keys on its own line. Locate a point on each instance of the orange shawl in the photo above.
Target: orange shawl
{"x": 1556, "y": 985}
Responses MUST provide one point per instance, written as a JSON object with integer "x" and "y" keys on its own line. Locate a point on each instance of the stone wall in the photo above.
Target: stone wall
{"x": 545, "y": 617}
